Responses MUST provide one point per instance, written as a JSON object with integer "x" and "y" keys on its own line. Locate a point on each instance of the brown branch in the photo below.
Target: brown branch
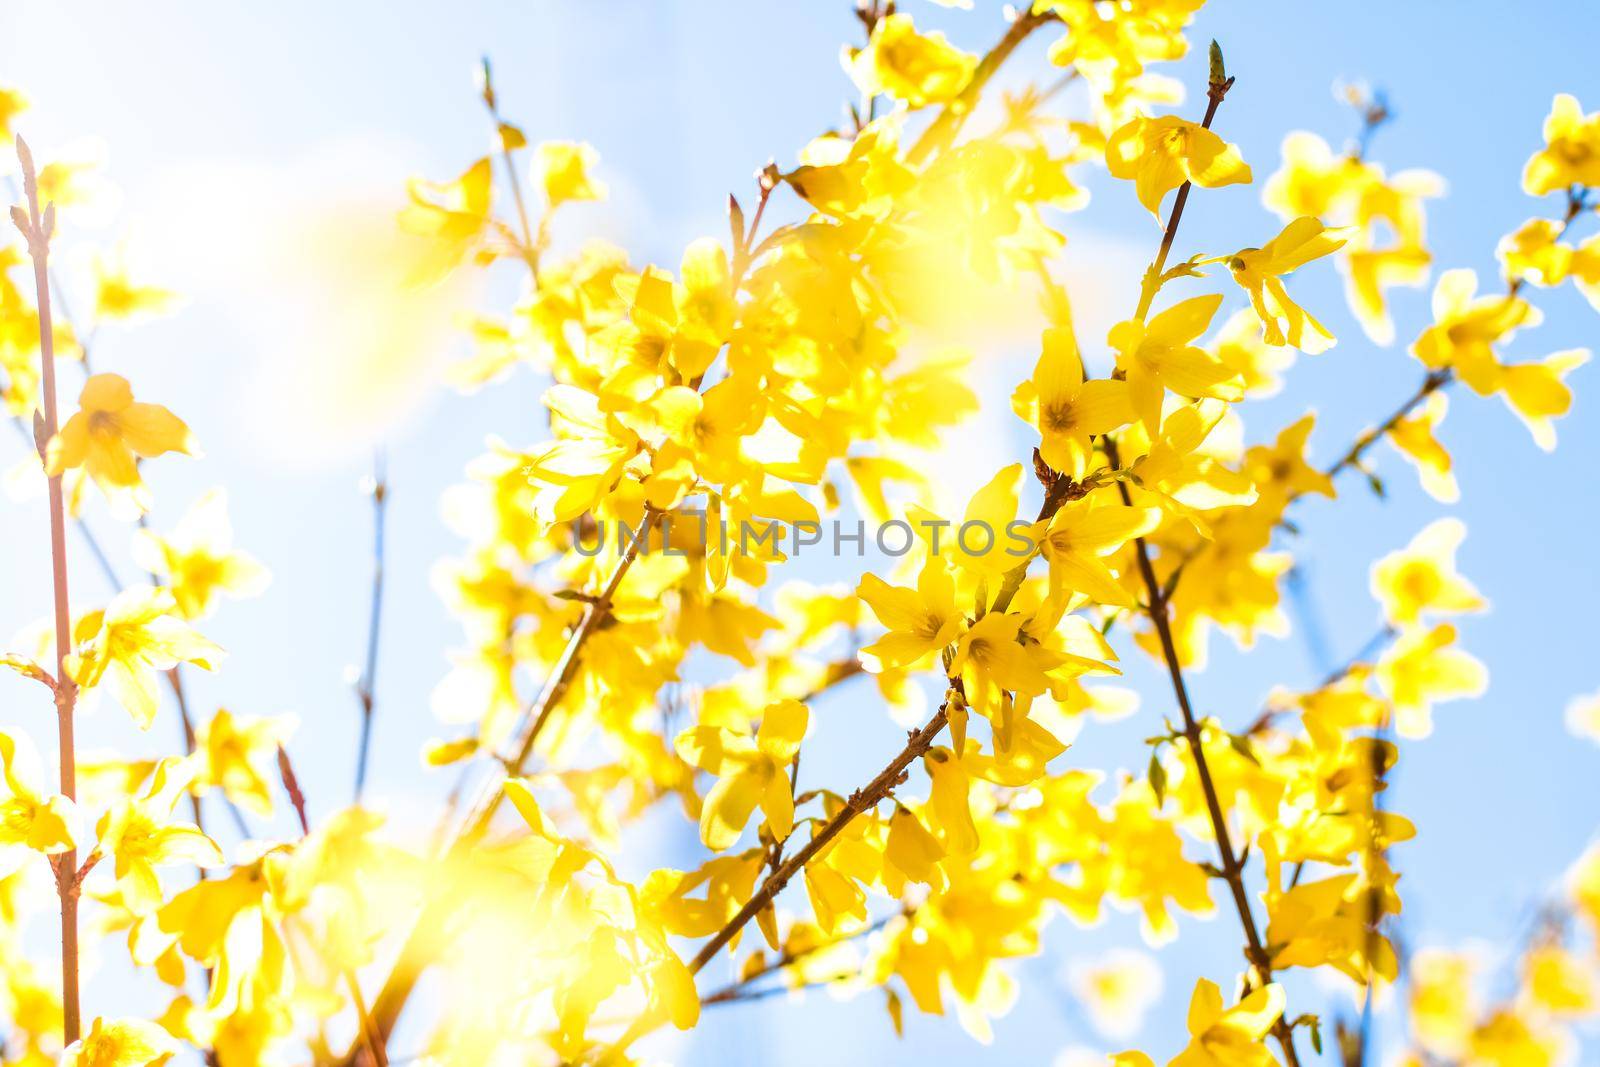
{"x": 291, "y": 786}
{"x": 37, "y": 228}
{"x": 1232, "y": 871}
{"x": 1156, "y": 608}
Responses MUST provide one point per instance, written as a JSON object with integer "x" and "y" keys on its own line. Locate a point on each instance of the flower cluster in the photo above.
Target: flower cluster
{"x": 805, "y": 364}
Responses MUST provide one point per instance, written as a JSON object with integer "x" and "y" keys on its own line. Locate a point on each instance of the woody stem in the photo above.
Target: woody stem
{"x": 66, "y": 690}
{"x": 1232, "y": 871}
{"x": 1156, "y": 598}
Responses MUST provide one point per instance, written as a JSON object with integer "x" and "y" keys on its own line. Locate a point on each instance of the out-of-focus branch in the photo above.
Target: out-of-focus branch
{"x": 366, "y": 685}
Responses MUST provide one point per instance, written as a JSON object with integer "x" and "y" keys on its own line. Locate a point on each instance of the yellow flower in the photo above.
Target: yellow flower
{"x": 1534, "y": 253}
{"x": 1161, "y": 355}
{"x": 565, "y": 172}
{"x": 1280, "y": 471}
{"x": 1161, "y": 154}
{"x": 1465, "y": 330}
{"x": 1571, "y": 155}
{"x": 1259, "y": 272}
{"x": 1316, "y": 181}
{"x": 1326, "y": 923}
{"x": 949, "y": 808}
{"x": 198, "y": 558}
{"x": 453, "y": 216}
{"x": 1536, "y": 393}
{"x": 238, "y": 755}
{"x": 137, "y": 635}
{"x": 750, "y": 771}
{"x": 1560, "y": 981}
{"x": 1422, "y": 577}
{"x": 12, "y": 104}
{"x": 920, "y": 620}
{"x": 107, "y": 431}
{"x": 1511, "y": 1038}
{"x": 915, "y": 67}
{"x": 1442, "y": 1004}
{"x": 121, "y": 1043}
{"x": 28, "y": 818}
{"x": 117, "y": 296}
{"x": 230, "y": 924}
{"x": 1068, "y": 410}
{"x": 1080, "y": 534}
{"x": 1117, "y": 989}
{"x": 141, "y": 834}
{"x": 1416, "y": 438}
{"x": 1422, "y": 669}
{"x": 574, "y": 471}
{"x": 1371, "y": 271}
{"x": 1230, "y": 1037}
{"x": 1258, "y": 365}
{"x": 914, "y": 852}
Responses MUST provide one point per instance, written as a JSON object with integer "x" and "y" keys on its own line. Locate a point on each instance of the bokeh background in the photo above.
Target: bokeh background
{"x": 261, "y": 150}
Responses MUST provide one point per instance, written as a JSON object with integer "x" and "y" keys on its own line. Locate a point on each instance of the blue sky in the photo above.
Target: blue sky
{"x": 230, "y": 130}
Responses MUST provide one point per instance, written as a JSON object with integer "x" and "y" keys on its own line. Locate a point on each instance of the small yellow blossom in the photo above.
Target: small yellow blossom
{"x": 238, "y": 754}
{"x": 1421, "y": 669}
{"x": 1422, "y": 577}
{"x": 918, "y": 68}
{"x": 1068, "y": 410}
{"x": 1571, "y": 155}
{"x": 1537, "y": 393}
{"x": 750, "y": 771}
{"x": 1161, "y": 354}
{"x": 1161, "y": 154}
{"x": 121, "y": 1043}
{"x": 1220, "y": 1036}
{"x": 1117, "y": 990}
{"x": 566, "y": 172}
{"x": 1081, "y": 534}
{"x": 1583, "y": 717}
{"x": 118, "y": 296}
{"x": 1416, "y": 438}
{"x": 140, "y": 833}
{"x": 1465, "y": 330}
{"x": 28, "y": 818}
{"x": 1260, "y": 271}
{"x": 920, "y": 621}
{"x": 198, "y": 558}
{"x": 108, "y": 431}
{"x": 138, "y": 634}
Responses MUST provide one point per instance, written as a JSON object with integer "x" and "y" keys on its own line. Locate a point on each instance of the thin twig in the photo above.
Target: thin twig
{"x": 734, "y": 990}
{"x": 530, "y": 247}
{"x": 366, "y": 686}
